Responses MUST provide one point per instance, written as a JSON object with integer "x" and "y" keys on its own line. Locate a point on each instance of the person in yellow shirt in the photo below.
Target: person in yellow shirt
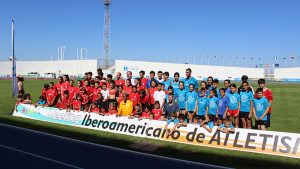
{"x": 126, "y": 106}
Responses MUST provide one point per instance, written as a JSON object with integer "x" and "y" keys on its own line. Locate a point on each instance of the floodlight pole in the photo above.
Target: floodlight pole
{"x": 106, "y": 34}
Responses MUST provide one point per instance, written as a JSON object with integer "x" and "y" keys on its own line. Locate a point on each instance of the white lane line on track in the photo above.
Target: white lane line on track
{"x": 113, "y": 148}
{"x": 41, "y": 157}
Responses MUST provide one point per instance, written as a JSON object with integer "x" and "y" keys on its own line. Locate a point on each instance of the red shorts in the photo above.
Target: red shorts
{"x": 234, "y": 113}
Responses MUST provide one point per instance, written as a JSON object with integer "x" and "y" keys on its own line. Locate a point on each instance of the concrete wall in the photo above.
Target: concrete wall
{"x": 290, "y": 74}
{"x": 71, "y": 67}
{"x": 198, "y": 71}
{"x": 75, "y": 68}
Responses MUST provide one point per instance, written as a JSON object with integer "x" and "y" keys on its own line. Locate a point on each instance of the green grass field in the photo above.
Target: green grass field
{"x": 285, "y": 117}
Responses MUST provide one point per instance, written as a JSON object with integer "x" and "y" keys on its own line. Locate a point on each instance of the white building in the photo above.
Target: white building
{"x": 287, "y": 74}
{"x": 198, "y": 71}
{"x": 79, "y": 67}
{"x": 71, "y": 67}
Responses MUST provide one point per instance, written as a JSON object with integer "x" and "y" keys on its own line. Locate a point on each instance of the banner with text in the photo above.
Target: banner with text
{"x": 265, "y": 142}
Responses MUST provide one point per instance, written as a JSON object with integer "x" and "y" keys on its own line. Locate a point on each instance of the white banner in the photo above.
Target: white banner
{"x": 258, "y": 141}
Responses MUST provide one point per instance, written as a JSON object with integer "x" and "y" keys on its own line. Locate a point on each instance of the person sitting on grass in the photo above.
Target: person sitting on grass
{"x": 27, "y": 99}
{"x": 151, "y": 116}
{"x": 260, "y": 109}
{"x": 112, "y": 109}
{"x": 126, "y": 106}
{"x": 171, "y": 123}
{"x": 41, "y": 101}
{"x": 208, "y": 123}
{"x": 182, "y": 121}
{"x": 157, "y": 111}
{"x": 137, "y": 111}
{"x": 146, "y": 112}
{"x": 196, "y": 120}
{"x": 76, "y": 104}
{"x": 227, "y": 126}
{"x": 60, "y": 105}
{"x": 103, "y": 111}
{"x": 93, "y": 108}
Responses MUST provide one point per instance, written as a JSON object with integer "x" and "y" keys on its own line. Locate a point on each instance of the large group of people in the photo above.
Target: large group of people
{"x": 178, "y": 100}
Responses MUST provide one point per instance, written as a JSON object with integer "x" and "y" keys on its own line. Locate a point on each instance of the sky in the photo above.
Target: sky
{"x": 179, "y": 31}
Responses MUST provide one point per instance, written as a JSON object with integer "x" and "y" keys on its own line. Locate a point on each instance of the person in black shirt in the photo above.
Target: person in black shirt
{"x": 244, "y": 79}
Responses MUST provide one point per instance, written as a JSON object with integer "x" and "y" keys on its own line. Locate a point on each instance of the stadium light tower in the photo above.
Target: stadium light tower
{"x": 106, "y": 35}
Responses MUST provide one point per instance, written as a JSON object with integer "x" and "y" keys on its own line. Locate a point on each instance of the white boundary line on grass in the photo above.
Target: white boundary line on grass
{"x": 114, "y": 148}
{"x": 41, "y": 157}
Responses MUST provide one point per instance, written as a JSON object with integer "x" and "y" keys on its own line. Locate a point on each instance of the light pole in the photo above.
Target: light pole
{"x": 207, "y": 59}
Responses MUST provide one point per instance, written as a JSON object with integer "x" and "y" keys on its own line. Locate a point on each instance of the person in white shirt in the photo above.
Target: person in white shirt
{"x": 160, "y": 95}
{"x": 129, "y": 76}
{"x": 159, "y": 77}
{"x": 105, "y": 92}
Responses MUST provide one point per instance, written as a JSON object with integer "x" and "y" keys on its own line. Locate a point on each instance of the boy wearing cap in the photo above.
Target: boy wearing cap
{"x": 244, "y": 78}
{"x": 171, "y": 123}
